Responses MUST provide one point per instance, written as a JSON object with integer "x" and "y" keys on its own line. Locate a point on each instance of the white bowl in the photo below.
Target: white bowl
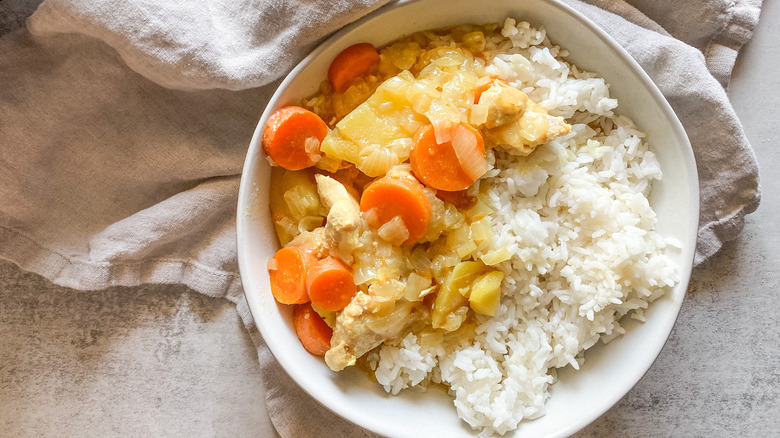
{"x": 610, "y": 371}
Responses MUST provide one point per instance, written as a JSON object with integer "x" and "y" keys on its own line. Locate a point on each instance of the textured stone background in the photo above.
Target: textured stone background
{"x": 165, "y": 361}
{"x": 149, "y": 361}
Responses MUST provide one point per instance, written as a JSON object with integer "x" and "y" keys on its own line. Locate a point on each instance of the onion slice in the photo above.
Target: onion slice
{"x": 470, "y": 156}
{"x": 312, "y": 148}
{"x": 442, "y": 130}
{"x": 371, "y": 218}
{"x": 394, "y": 231}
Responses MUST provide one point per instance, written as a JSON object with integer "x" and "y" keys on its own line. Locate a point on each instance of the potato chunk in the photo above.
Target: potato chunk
{"x": 453, "y": 296}
{"x": 486, "y": 293}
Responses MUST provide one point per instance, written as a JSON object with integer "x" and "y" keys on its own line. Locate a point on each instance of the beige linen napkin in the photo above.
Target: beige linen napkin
{"x": 124, "y": 124}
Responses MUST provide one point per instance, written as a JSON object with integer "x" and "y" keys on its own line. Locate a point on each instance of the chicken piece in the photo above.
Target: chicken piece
{"x": 313, "y": 241}
{"x": 362, "y": 326}
{"x": 334, "y": 195}
{"x": 344, "y": 222}
{"x": 533, "y": 128}
{"x": 351, "y": 337}
{"x": 515, "y": 122}
{"x": 504, "y": 104}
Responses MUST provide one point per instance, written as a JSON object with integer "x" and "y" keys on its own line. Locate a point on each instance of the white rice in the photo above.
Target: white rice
{"x": 576, "y": 219}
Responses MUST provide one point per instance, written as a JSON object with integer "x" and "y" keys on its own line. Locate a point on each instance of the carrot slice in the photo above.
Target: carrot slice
{"x": 391, "y": 196}
{"x": 460, "y": 199}
{"x": 287, "y": 269}
{"x": 352, "y": 62}
{"x": 292, "y": 137}
{"x": 439, "y": 165}
{"x": 330, "y": 284}
{"x": 311, "y": 329}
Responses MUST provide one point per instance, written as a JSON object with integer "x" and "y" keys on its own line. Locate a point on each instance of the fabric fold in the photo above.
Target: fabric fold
{"x": 203, "y": 45}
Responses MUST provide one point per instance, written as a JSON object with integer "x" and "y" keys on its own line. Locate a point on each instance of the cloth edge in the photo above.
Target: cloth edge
{"x": 721, "y": 51}
{"x": 713, "y": 235}
{"x": 30, "y": 256}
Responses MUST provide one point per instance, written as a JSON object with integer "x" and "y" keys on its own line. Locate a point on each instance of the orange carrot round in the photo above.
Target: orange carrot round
{"x": 311, "y": 329}
{"x": 460, "y": 199}
{"x": 287, "y": 269}
{"x": 292, "y": 137}
{"x": 352, "y": 62}
{"x": 330, "y": 284}
{"x": 391, "y": 196}
{"x": 439, "y": 165}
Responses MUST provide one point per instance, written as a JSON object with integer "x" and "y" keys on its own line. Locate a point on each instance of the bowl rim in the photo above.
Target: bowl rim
{"x": 598, "y": 32}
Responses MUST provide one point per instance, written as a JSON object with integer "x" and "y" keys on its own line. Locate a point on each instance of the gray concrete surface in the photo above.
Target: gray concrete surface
{"x": 148, "y": 361}
{"x": 165, "y": 361}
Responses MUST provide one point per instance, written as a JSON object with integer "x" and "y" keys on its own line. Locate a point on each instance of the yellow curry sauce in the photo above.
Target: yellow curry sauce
{"x": 432, "y": 286}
